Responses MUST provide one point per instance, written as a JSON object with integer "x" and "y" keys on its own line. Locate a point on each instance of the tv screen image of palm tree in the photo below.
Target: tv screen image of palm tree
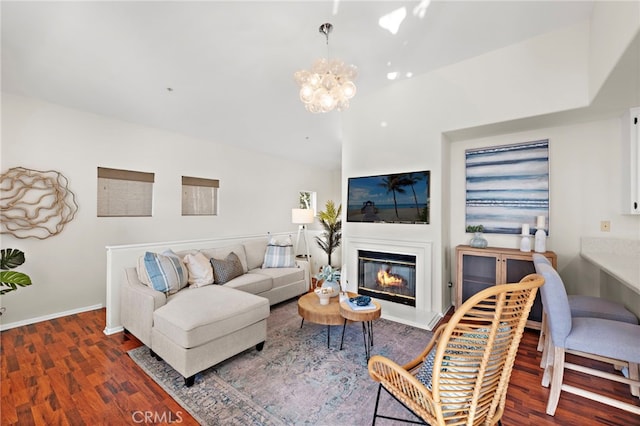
{"x": 390, "y": 198}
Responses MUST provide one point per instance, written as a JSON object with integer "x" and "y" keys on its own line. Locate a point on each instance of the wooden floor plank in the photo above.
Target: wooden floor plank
{"x": 66, "y": 371}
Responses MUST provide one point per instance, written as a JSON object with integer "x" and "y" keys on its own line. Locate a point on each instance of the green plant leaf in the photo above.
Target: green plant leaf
{"x": 330, "y": 239}
{"x": 11, "y": 258}
{"x": 13, "y": 279}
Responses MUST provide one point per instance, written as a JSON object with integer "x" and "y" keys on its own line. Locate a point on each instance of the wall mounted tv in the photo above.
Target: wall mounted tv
{"x": 391, "y": 198}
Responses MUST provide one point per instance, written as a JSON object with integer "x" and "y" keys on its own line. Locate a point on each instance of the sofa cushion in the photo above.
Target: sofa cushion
{"x": 251, "y": 283}
{"x": 223, "y": 252}
{"x": 279, "y": 254}
{"x": 224, "y": 270}
{"x": 200, "y": 269}
{"x": 165, "y": 272}
{"x": 456, "y": 366}
{"x": 280, "y": 276}
{"x": 194, "y": 317}
{"x": 254, "y": 249}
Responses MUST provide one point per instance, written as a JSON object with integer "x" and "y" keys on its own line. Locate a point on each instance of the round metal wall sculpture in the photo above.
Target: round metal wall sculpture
{"x": 35, "y": 204}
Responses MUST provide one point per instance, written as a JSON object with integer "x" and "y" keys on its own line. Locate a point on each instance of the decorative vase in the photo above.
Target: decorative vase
{"x": 324, "y": 294}
{"x": 333, "y": 285}
{"x": 478, "y": 240}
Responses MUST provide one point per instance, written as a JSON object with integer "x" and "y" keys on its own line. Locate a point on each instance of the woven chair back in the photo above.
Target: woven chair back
{"x": 476, "y": 352}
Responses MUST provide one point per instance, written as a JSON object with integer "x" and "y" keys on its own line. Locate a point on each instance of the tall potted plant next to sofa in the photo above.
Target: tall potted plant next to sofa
{"x": 331, "y": 237}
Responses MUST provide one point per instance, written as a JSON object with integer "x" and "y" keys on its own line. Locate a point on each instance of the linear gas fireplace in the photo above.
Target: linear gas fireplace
{"x": 387, "y": 276}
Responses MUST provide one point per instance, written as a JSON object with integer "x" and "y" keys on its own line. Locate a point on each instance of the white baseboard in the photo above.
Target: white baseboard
{"x": 30, "y": 321}
{"x": 112, "y": 330}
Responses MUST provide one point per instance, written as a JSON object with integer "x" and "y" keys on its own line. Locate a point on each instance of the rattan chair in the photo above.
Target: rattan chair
{"x": 462, "y": 376}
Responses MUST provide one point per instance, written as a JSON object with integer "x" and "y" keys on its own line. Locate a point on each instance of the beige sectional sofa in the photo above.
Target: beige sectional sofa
{"x": 195, "y": 328}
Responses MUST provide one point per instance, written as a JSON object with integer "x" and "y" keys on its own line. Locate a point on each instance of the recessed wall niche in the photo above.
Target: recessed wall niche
{"x": 199, "y": 196}
{"x": 124, "y": 193}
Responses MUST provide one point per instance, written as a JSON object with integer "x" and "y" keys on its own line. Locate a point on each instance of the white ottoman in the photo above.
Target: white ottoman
{"x": 199, "y": 329}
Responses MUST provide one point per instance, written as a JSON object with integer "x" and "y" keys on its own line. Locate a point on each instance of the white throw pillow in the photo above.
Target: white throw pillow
{"x": 200, "y": 270}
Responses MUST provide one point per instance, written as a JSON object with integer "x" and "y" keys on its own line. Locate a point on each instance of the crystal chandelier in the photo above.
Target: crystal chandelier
{"x": 329, "y": 83}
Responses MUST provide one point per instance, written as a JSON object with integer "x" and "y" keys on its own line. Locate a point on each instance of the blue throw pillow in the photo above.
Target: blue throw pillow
{"x": 166, "y": 271}
{"x": 466, "y": 342}
{"x": 426, "y": 370}
{"x": 279, "y": 256}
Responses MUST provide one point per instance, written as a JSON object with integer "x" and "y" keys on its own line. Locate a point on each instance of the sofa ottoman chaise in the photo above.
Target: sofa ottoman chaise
{"x": 220, "y": 313}
{"x": 202, "y": 327}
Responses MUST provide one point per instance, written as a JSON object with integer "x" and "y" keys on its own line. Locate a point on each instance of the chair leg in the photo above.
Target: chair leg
{"x": 556, "y": 380}
{"x": 545, "y": 342}
{"x": 397, "y": 419}
{"x": 543, "y": 333}
{"x": 375, "y": 411}
{"x": 634, "y": 374}
{"x": 548, "y": 356}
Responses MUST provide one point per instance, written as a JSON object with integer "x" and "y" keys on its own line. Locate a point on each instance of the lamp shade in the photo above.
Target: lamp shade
{"x": 302, "y": 216}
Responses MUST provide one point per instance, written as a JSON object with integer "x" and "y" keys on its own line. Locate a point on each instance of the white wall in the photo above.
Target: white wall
{"x": 406, "y": 126}
{"x": 256, "y": 195}
{"x": 584, "y": 176}
{"x": 515, "y": 81}
{"x": 612, "y": 27}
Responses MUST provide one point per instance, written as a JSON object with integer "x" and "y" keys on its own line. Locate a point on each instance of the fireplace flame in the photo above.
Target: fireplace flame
{"x": 385, "y": 279}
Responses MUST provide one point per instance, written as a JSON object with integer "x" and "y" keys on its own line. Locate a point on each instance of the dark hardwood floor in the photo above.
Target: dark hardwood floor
{"x": 67, "y": 372}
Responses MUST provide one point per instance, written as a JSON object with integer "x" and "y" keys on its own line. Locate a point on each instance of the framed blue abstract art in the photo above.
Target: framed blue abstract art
{"x": 508, "y": 186}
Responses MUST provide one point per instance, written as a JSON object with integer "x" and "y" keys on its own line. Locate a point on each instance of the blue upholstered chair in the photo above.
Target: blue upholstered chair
{"x": 585, "y": 306}
{"x": 612, "y": 341}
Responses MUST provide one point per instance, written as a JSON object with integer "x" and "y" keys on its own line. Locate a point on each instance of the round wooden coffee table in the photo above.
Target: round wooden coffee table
{"x": 310, "y": 309}
{"x": 366, "y": 317}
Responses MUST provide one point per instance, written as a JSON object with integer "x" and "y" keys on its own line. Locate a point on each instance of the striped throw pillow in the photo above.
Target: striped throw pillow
{"x": 279, "y": 256}
{"x": 165, "y": 271}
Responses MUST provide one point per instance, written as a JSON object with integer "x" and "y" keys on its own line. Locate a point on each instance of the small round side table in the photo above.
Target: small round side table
{"x": 366, "y": 317}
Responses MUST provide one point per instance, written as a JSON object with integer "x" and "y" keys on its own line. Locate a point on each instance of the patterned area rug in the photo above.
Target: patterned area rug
{"x": 295, "y": 379}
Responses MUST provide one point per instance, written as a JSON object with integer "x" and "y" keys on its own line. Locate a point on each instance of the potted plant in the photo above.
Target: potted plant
{"x": 10, "y": 259}
{"x": 331, "y": 238}
{"x": 478, "y": 240}
{"x": 329, "y": 277}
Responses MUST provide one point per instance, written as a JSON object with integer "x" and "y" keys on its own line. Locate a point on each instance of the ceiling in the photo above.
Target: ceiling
{"x": 223, "y": 71}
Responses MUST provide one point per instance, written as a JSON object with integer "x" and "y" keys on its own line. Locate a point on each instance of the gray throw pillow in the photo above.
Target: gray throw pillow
{"x": 225, "y": 270}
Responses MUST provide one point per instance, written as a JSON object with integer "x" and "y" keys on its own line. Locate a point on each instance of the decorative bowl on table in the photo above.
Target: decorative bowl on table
{"x": 360, "y": 300}
{"x": 325, "y": 293}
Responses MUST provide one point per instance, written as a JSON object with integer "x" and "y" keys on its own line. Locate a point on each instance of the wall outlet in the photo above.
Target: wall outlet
{"x": 605, "y": 226}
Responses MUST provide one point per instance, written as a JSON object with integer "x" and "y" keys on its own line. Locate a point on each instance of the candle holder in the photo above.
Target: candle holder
{"x": 525, "y": 242}
{"x": 540, "y": 242}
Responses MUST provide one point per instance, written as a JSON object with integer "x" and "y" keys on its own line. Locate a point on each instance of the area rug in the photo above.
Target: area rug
{"x": 295, "y": 379}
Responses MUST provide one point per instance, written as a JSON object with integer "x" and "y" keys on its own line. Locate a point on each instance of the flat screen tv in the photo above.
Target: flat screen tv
{"x": 391, "y": 198}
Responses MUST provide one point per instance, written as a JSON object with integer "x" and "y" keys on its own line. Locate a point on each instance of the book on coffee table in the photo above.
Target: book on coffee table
{"x": 357, "y": 307}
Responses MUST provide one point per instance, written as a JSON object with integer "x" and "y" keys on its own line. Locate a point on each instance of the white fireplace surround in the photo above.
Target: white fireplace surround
{"x": 421, "y": 316}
